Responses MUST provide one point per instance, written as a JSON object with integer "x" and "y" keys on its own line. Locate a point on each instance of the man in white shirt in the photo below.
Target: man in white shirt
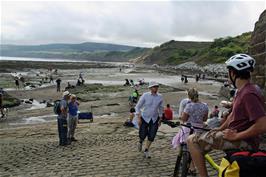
{"x": 149, "y": 110}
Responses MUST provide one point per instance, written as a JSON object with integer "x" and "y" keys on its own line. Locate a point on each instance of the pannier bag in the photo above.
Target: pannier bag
{"x": 251, "y": 164}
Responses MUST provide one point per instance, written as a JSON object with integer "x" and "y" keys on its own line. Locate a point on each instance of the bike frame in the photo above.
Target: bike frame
{"x": 184, "y": 148}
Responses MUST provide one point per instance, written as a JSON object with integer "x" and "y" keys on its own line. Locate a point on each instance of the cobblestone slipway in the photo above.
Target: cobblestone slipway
{"x": 104, "y": 149}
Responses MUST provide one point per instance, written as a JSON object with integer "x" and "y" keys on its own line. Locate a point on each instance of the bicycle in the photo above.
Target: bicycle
{"x": 183, "y": 158}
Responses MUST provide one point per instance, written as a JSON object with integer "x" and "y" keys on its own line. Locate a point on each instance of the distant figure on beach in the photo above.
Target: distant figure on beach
{"x": 17, "y": 83}
{"x": 22, "y": 79}
{"x": 186, "y": 80}
{"x": 127, "y": 82}
{"x": 197, "y": 77}
{"x": 182, "y": 78}
{"x": 72, "y": 117}
{"x": 1, "y": 103}
{"x": 149, "y": 111}
{"x": 120, "y": 69}
{"x": 58, "y": 84}
{"x": 226, "y": 84}
{"x": 80, "y": 75}
{"x": 79, "y": 82}
{"x": 168, "y": 113}
{"x": 132, "y": 82}
{"x": 62, "y": 120}
{"x": 203, "y": 76}
{"x": 51, "y": 79}
{"x": 69, "y": 86}
{"x": 141, "y": 82}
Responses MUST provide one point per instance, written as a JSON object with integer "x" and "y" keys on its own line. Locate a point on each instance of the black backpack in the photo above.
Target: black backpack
{"x": 57, "y": 109}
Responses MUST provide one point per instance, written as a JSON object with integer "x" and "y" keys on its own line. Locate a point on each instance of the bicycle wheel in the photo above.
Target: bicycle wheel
{"x": 178, "y": 164}
{"x": 185, "y": 163}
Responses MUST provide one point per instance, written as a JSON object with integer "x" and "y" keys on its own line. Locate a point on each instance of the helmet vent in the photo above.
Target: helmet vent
{"x": 241, "y": 65}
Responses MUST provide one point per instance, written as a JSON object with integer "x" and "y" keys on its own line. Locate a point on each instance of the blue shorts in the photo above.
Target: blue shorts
{"x": 148, "y": 129}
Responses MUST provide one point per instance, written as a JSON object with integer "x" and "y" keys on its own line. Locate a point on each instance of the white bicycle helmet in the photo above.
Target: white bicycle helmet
{"x": 241, "y": 62}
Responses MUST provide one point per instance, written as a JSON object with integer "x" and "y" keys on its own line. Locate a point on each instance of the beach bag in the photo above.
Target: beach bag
{"x": 57, "y": 109}
{"x": 251, "y": 164}
{"x": 85, "y": 115}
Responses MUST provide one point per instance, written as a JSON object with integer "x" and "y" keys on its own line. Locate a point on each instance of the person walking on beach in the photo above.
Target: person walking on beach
{"x": 72, "y": 119}
{"x": 149, "y": 110}
{"x": 1, "y": 103}
{"x": 186, "y": 80}
{"x": 62, "y": 120}
{"x": 17, "y": 83}
{"x": 58, "y": 84}
{"x": 51, "y": 79}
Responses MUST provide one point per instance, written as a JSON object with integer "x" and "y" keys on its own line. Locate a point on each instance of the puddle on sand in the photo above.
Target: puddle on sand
{"x": 35, "y": 120}
{"x": 37, "y": 105}
{"x": 107, "y": 115}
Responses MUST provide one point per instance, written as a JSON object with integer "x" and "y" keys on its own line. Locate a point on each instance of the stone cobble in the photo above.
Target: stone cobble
{"x": 99, "y": 155}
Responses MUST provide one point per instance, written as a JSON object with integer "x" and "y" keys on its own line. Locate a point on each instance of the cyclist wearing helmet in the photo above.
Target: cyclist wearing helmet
{"x": 244, "y": 124}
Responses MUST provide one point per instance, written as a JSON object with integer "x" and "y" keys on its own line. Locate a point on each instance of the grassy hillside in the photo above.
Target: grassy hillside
{"x": 84, "y": 51}
{"x": 176, "y": 52}
{"x": 223, "y": 48}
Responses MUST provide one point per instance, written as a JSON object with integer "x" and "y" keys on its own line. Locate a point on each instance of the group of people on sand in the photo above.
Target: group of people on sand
{"x": 67, "y": 118}
{"x": 184, "y": 79}
{"x": 199, "y": 76}
{"x": 240, "y": 128}
{"x": 19, "y": 80}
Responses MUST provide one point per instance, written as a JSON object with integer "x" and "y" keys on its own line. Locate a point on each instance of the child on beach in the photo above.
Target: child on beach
{"x": 133, "y": 119}
{"x": 72, "y": 117}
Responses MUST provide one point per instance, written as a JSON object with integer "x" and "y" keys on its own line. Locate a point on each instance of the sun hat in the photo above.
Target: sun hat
{"x": 153, "y": 84}
{"x": 66, "y": 93}
{"x": 73, "y": 96}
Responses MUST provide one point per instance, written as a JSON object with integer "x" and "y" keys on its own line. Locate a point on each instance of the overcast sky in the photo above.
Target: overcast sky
{"x": 147, "y": 23}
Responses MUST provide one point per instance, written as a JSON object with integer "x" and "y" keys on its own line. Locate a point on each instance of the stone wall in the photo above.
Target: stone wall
{"x": 258, "y": 51}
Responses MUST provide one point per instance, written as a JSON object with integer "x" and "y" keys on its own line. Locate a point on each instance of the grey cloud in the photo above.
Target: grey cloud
{"x": 133, "y": 23}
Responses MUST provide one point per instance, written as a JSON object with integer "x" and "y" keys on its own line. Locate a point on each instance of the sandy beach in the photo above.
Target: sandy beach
{"x": 29, "y": 140}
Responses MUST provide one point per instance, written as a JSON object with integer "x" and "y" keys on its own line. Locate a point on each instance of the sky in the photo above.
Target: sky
{"x": 137, "y": 23}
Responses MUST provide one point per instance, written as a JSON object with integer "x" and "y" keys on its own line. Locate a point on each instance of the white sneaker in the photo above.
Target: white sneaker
{"x": 147, "y": 154}
{"x": 140, "y": 147}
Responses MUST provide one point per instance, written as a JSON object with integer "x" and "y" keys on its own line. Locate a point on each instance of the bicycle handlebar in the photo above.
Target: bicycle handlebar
{"x": 188, "y": 125}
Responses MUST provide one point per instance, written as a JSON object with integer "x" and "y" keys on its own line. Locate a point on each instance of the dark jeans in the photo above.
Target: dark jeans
{"x": 62, "y": 130}
{"x": 148, "y": 129}
{"x": 58, "y": 88}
